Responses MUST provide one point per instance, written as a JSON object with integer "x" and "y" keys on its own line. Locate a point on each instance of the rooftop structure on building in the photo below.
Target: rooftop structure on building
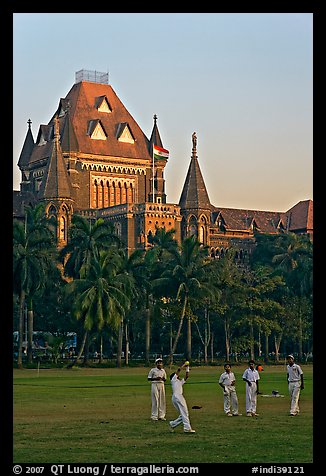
{"x": 93, "y": 159}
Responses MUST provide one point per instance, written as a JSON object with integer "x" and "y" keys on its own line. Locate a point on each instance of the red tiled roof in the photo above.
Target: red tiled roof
{"x": 241, "y": 220}
{"x": 301, "y": 216}
{"x": 83, "y": 99}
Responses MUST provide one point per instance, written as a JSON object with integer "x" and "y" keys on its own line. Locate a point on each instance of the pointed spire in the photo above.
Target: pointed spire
{"x": 194, "y": 194}
{"x": 69, "y": 141}
{"x": 155, "y": 136}
{"x": 56, "y": 183}
{"x": 28, "y": 147}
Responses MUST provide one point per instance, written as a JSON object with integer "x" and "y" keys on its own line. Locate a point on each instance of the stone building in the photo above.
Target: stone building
{"x": 93, "y": 159}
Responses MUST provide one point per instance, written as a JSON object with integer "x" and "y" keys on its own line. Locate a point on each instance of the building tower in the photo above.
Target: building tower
{"x": 55, "y": 189}
{"x": 195, "y": 206}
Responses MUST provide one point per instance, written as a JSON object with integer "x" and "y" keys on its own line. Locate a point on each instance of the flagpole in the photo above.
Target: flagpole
{"x": 153, "y": 176}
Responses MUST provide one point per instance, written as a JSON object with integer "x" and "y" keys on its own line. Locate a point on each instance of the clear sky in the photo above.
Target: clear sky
{"x": 242, "y": 81}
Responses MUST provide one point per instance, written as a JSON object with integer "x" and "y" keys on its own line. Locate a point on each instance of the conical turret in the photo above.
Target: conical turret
{"x": 194, "y": 195}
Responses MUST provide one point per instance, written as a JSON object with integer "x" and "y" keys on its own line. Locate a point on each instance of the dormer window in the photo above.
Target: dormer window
{"x": 220, "y": 223}
{"x": 96, "y": 130}
{"x": 44, "y": 134}
{"x": 124, "y": 133}
{"x": 102, "y": 104}
{"x": 280, "y": 226}
{"x": 253, "y": 226}
{"x": 41, "y": 140}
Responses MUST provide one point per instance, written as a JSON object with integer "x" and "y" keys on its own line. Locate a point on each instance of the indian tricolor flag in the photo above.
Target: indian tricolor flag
{"x": 160, "y": 153}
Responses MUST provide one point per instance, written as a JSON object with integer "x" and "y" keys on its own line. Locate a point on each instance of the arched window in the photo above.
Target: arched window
{"x": 106, "y": 194}
{"x": 192, "y": 226}
{"x": 95, "y": 194}
{"x": 202, "y": 230}
{"x": 123, "y": 192}
{"x": 52, "y": 211}
{"x": 62, "y": 228}
{"x": 201, "y": 236}
{"x": 130, "y": 194}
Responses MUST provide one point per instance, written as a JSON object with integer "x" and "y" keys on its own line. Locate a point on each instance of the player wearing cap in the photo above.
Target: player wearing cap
{"x": 251, "y": 377}
{"x": 296, "y": 384}
{"x": 157, "y": 376}
{"x": 179, "y": 401}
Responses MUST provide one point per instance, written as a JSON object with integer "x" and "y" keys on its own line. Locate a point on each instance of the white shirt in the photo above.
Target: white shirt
{"x": 227, "y": 378}
{"x": 177, "y": 385}
{"x": 294, "y": 372}
{"x": 155, "y": 372}
{"x": 251, "y": 375}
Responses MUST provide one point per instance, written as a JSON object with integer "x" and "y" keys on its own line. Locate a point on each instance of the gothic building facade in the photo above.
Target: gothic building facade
{"x": 93, "y": 159}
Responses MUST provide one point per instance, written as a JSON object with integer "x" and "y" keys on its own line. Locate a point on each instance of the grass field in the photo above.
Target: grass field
{"x": 103, "y": 415}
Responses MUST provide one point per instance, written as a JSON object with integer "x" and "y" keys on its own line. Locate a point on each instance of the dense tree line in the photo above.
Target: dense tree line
{"x": 170, "y": 299}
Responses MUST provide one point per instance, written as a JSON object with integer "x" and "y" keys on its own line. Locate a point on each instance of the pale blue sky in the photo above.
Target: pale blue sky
{"x": 242, "y": 81}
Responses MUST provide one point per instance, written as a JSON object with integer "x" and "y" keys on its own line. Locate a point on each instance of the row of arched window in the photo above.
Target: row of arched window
{"x": 240, "y": 255}
{"x": 107, "y": 194}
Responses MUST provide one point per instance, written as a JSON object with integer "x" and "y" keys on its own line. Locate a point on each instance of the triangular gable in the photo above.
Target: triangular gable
{"x": 102, "y": 104}
{"x": 253, "y": 225}
{"x": 96, "y": 130}
{"x": 220, "y": 222}
{"x": 44, "y": 134}
{"x": 280, "y": 225}
{"x": 124, "y": 133}
{"x": 63, "y": 106}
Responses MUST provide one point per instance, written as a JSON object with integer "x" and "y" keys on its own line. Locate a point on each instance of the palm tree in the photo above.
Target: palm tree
{"x": 164, "y": 244}
{"x": 87, "y": 238}
{"x": 100, "y": 295}
{"x": 33, "y": 247}
{"x": 186, "y": 278}
{"x": 164, "y": 247}
{"x": 295, "y": 262}
{"x": 136, "y": 267}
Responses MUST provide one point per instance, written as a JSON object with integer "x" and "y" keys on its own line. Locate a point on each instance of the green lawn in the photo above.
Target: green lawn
{"x": 103, "y": 415}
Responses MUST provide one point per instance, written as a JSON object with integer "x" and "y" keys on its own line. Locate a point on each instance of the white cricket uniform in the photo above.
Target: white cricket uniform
{"x": 229, "y": 394}
{"x": 158, "y": 393}
{"x": 251, "y": 390}
{"x": 294, "y": 378}
{"x": 179, "y": 403}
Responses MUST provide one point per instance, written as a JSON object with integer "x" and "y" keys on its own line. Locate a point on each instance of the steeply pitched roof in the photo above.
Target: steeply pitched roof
{"x": 55, "y": 183}
{"x": 155, "y": 136}
{"x": 247, "y": 220}
{"x": 300, "y": 216}
{"x": 27, "y": 148}
{"x": 194, "y": 194}
{"x": 82, "y": 102}
{"x": 83, "y": 99}
{"x": 68, "y": 140}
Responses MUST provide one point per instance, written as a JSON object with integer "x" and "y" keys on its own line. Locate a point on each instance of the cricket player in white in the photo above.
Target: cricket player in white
{"x": 227, "y": 382}
{"x": 251, "y": 377}
{"x": 157, "y": 376}
{"x": 296, "y": 384}
{"x": 179, "y": 401}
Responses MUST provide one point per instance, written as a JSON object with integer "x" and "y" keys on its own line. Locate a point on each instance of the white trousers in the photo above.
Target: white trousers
{"x": 180, "y": 404}
{"x": 158, "y": 401}
{"x": 251, "y": 397}
{"x": 294, "y": 391}
{"x": 230, "y": 400}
